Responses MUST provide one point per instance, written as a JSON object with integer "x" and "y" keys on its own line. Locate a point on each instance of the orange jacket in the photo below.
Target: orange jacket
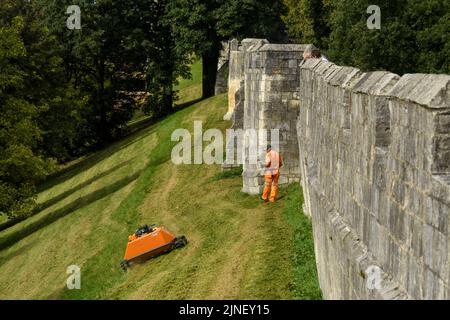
{"x": 274, "y": 162}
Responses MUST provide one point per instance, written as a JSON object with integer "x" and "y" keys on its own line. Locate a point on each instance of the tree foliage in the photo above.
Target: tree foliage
{"x": 200, "y": 26}
{"x": 99, "y": 62}
{"x": 414, "y": 35}
{"x": 65, "y": 93}
{"x": 164, "y": 64}
{"x": 20, "y": 166}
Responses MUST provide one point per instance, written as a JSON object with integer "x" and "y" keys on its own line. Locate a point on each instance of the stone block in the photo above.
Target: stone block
{"x": 375, "y": 166}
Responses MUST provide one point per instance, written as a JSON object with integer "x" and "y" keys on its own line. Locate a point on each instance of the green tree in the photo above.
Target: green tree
{"x": 307, "y": 21}
{"x": 47, "y": 83}
{"x": 430, "y": 21}
{"x": 351, "y": 42}
{"x": 414, "y": 35}
{"x": 97, "y": 60}
{"x": 122, "y": 47}
{"x": 200, "y": 26}
{"x": 20, "y": 166}
{"x": 154, "y": 53}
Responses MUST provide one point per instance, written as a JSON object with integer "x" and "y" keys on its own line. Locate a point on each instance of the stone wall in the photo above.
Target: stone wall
{"x": 375, "y": 163}
{"x": 221, "y": 85}
{"x": 270, "y": 77}
{"x": 373, "y": 152}
{"x": 271, "y": 102}
{"x": 236, "y": 69}
{"x": 236, "y": 98}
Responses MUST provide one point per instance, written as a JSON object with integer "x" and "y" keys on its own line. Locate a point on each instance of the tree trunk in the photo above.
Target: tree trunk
{"x": 104, "y": 130}
{"x": 168, "y": 100}
{"x": 210, "y": 62}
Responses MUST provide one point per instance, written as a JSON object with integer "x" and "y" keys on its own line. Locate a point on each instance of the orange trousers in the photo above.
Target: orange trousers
{"x": 271, "y": 186}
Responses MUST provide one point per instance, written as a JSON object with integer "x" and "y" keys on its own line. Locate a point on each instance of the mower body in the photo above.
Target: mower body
{"x": 149, "y": 242}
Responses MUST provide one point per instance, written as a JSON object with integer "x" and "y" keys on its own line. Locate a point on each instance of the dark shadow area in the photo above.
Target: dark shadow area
{"x": 139, "y": 126}
{"x": 17, "y": 252}
{"x": 134, "y": 134}
{"x": 56, "y": 295}
{"x": 48, "y": 219}
{"x": 80, "y": 186}
{"x": 151, "y": 121}
{"x": 227, "y": 174}
{"x": 58, "y": 198}
{"x": 11, "y": 222}
{"x": 182, "y": 106}
{"x": 139, "y": 136}
{"x": 93, "y": 159}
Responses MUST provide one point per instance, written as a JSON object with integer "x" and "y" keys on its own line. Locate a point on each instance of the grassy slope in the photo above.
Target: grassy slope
{"x": 239, "y": 247}
{"x": 189, "y": 89}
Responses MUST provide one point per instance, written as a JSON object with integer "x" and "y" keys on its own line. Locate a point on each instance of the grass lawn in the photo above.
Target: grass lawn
{"x": 239, "y": 247}
{"x": 189, "y": 90}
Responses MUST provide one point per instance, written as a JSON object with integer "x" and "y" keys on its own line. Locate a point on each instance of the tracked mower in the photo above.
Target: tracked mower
{"x": 148, "y": 242}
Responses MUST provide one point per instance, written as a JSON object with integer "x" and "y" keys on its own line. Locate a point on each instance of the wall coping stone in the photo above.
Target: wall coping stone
{"x": 429, "y": 90}
{"x": 284, "y": 47}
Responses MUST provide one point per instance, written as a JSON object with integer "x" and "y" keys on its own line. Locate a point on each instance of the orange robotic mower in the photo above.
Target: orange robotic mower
{"x": 148, "y": 242}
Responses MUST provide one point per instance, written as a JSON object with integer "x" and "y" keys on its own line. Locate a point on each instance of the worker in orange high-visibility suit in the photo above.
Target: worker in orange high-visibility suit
{"x": 271, "y": 174}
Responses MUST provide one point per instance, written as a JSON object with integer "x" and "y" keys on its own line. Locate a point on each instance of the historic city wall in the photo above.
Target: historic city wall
{"x": 373, "y": 153}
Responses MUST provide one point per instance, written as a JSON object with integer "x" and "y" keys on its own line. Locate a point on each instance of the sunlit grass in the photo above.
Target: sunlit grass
{"x": 239, "y": 247}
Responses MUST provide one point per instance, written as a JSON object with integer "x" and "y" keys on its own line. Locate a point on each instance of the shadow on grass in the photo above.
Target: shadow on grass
{"x": 227, "y": 174}
{"x": 152, "y": 121}
{"x": 65, "y": 194}
{"x": 47, "y": 204}
{"x": 186, "y": 104}
{"x": 17, "y": 252}
{"x": 306, "y": 284}
{"x": 135, "y": 133}
{"x": 53, "y": 216}
{"x": 91, "y": 160}
{"x": 75, "y": 169}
